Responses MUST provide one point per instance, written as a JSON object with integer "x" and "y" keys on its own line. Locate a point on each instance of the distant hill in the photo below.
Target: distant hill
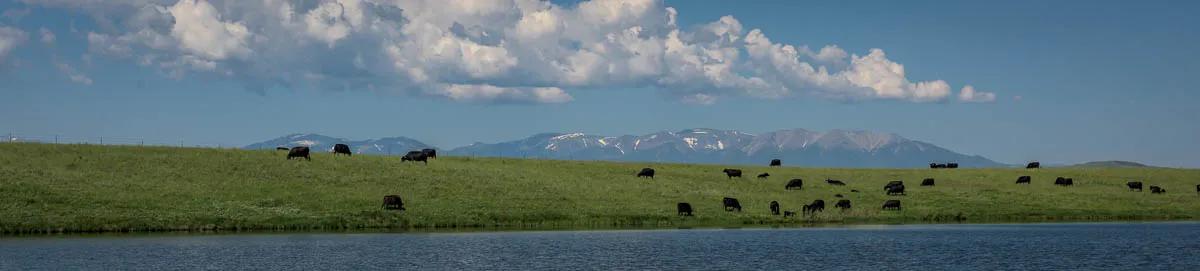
{"x": 1123, "y": 164}
{"x": 796, "y": 147}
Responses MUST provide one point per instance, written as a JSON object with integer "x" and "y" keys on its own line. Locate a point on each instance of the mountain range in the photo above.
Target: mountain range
{"x": 796, "y": 147}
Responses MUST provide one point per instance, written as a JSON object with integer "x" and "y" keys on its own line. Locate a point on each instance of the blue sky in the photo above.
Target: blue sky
{"x": 1073, "y": 81}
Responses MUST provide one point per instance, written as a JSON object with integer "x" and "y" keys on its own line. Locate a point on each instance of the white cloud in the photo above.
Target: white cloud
{"x": 72, "y": 74}
{"x": 970, "y": 95}
{"x": 10, "y": 38}
{"x": 525, "y": 51}
{"x": 48, "y": 37}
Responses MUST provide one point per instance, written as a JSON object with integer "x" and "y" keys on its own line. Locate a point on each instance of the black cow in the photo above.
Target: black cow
{"x": 1033, "y": 165}
{"x": 1024, "y": 180}
{"x": 281, "y": 148}
{"x": 430, "y": 153}
{"x": 951, "y": 165}
{"x": 731, "y": 204}
{"x": 341, "y": 149}
{"x": 1134, "y": 186}
{"x": 891, "y": 205}
{"x": 415, "y": 156}
{"x": 814, "y": 207}
{"x": 796, "y": 184}
{"x": 789, "y": 213}
{"x": 1064, "y": 181}
{"x": 844, "y": 204}
{"x": 764, "y": 175}
{"x": 893, "y": 183}
{"x": 1198, "y": 188}
{"x": 684, "y": 209}
{"x": 854, "y": 190}
{"x": 1154, "y": 189}
{"x": 936, "y": 165}
{"x": 774, "y": 207}
{"x": 646, "y": 172}
{"x": 393, "y": 202}
{"x": 835, "y": 182}
{"x": 732, "y": 173}
{"x": 298, "y": 152}
{"x": 895, "y": 190}
{"x": 776, "y": 163}
{"x": 927, "y": 182}
{"x": 837, "y": 195}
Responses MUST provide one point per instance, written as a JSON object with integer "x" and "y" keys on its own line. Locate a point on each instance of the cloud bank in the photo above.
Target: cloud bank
{"x": 523, "y": 51}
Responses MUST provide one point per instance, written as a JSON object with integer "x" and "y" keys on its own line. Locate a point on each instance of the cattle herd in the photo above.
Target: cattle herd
{"x": 892, "y": 188}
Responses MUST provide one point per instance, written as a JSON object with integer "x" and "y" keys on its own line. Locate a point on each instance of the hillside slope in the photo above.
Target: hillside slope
{"x": 73, "y": 188}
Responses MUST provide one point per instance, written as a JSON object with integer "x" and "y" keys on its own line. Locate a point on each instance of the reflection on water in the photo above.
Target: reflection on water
{"x": 1107, "y": 246}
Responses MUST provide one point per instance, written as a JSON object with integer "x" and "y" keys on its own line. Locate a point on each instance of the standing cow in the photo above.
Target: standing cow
{"x": 891, "y": 205}
{"x": 729, "y": 172}
{"x": 341, "y": 149}
{"x": 646, "y": 172}
{"x": 393, "y": 202}
{"x": 814, "y": 207}
{"x": 1024, "y": 180}
{"x": 684, "y": 209}
{"x": 764, "y": 175}
{"x": 1033, "y": 165}
{"x": 415, "y": 156}
{"x": 796, "y": 184}
{"x": 731, "y": 204}
{"x": 776, "y": 163}
{"x": 1134, "y": 186}
{"x": 843, "y": 204}
{"x": 1064, "y": 181}
{"x": 936, "y": 165}
{"x": 895, "y": 190}
{"x": 299, "y": 152}
{"x": 774, "y": 207}
{"x": 927, "y": 182}
{"x": 1154, "y": 189}
{"x": 430, "y": 153}
{"x": 951, "y": 165}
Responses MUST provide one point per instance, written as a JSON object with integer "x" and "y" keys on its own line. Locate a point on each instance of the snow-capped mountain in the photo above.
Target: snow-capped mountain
{"x": 835, "y": 148}
{"x": 796, "y": 147}
{"x": 389, "y": 145}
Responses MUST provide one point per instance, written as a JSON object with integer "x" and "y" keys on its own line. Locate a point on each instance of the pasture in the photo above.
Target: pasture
{"x": 89, "y": 188}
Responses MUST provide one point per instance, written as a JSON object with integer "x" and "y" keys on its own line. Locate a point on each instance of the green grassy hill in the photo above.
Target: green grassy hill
{"x": 84, "y": 188}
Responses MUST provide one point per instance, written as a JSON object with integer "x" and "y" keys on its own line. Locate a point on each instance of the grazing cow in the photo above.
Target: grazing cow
{"x": 298, "y": 152}
{"x": 1064, "y": 181}
{"x": 646, "y": 172}
{"x": 891, "y": 205}
{"x": 281, "y": 148}
{"x": 1033, "y": 165}
{"x": 1154, "y": 189}
{"x": 776, "y": 163}
{"x": 814, "y": 207}
{"x": 837, "y": 195}
{"x": 1024, "y": 180}
{"x": 341, "y": 149}
{"x": 415, "y": 156}
{"x": 951, "y": 165}
{"x": 729, "y": 172}
{"x": 893, "y": 183}
{"x": 684, "y": 209}
{"x": 774, "y": 207}
{"x": 796, "y": 184}
{"x": 844, "y": 204}
{"x": 1134, "y": 186}
{"x": 835, "y": 182}
{"x": 731, "y": 204}
{"x": 936, "y": 165}
{"x": 896, "y": 190}
{"x": 764, "y": 175}
{"x": 789, "y": 213}
{"x": 393, "y": 202}
{"x": 927, "y": 182}
{"x": 430, "y": 153}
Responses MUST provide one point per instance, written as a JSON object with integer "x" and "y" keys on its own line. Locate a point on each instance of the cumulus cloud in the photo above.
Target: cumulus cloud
{"x": 524, "y": 51}
{"x": 10, "y": 38}
{"x": 970, "y": 95}
{"x": 48, "y": 36}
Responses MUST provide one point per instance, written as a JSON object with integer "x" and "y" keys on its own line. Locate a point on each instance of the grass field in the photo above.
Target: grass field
{"x": 88, "y": 188}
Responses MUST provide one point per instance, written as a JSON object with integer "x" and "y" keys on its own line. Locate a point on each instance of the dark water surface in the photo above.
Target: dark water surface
{"x": 1104, "y": 246}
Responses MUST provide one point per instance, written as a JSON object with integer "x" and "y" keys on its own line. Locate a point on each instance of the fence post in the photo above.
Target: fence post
{"x": 55, "y": 139}
{"x": 102, "y": 140}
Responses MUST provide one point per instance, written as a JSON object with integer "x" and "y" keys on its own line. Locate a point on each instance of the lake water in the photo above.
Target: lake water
{"x": 1104, "y": 246}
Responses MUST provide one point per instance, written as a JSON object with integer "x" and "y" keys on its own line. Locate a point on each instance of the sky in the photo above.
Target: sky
{"x": 1014, "y": 81}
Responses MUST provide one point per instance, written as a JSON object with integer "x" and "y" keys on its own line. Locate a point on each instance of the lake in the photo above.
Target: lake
{"x": 1085, "y": 246}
